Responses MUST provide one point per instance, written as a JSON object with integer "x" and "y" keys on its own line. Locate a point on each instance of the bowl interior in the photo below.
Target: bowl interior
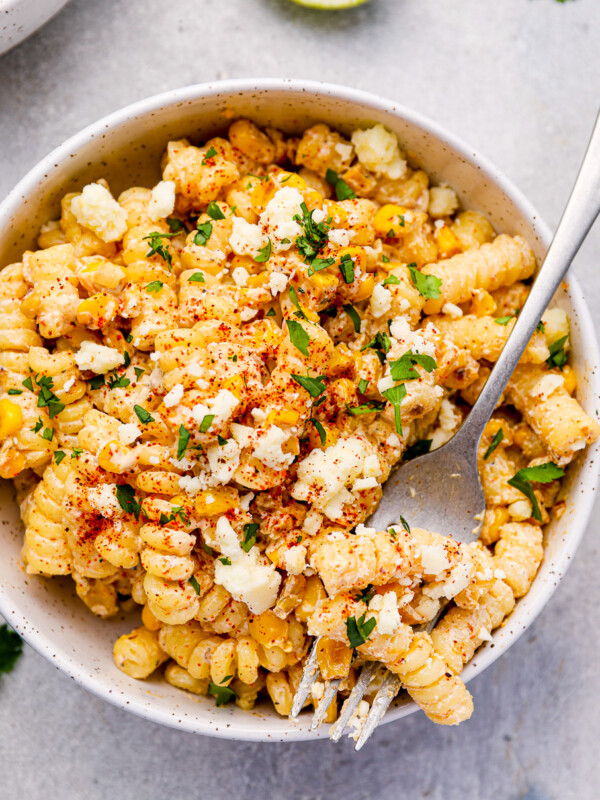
{"x": 125, "y": 148}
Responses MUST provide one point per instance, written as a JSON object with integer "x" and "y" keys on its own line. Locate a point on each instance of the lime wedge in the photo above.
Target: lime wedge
{"x": 329, "y": 5}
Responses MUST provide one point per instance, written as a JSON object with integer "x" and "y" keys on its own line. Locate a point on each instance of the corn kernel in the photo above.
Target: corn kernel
{"x": 447, "y": 242}
{"x": 149, "y": 620}
{"x": 283, "y": 416}
{"x": 482, "y": 303}
{"x": 13, "y": 462}
{"x": 11, "y": 418}
{"x": 216, "y": 501}
{"x": 341, "y": 359}
{"x": 312, "y": 198}
{"x": 292, "y": 179}
{"x": 570, "y": 378}
{"x": 261, "y": 194}
{"x": 115, "y": 457}
{"x": 267, "y": 629}
{"x": 255, "y": 281}
{"x": 389, "y": 220}
{"x": 365, "y": 289}
{"x": 334, "y": 658}
{"x": 324, "y": 280}
{"x": 97, "y": 310}
{"x": 235, "y": 384}
{"x": 338, "y": 214}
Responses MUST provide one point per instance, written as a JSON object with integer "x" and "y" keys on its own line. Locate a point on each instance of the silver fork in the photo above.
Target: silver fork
{"x": 441, "y": 491}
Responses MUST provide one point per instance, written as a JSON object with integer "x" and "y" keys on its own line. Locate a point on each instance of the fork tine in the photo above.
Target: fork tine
{"x": 389, "y": 689}
{"x": 352, "y": 701}
{"x": 330, "y": 692}
{"x": 309, "y": 676}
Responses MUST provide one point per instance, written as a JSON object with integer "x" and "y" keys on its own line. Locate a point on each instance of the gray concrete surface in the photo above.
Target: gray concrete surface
{"x": 519, "y": 80}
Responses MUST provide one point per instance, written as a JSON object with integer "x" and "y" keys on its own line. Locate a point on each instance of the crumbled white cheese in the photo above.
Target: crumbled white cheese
{"x": 381, "y": 300}
{"x": 547, "y": 385}
{"x": 312, "y": 523}
{"x": 221, "y": 407}
{"x": 294, "y": 559}
{"x": 364, "y": 530}
{"x": 268, "y": 448}
{"x": 162, "y": 200}
{"x": 364, "y": 483}
{"x": 442, "y": 201}
{"x": 388, "y": 617}
{"x": 434, "y": 559}
{"x": 458, "y": 579}
{"x": 340, "y": 237}
{"x": 448, "y": 421}
{"x": 385, "y": 383}
{"x": 520, "y": 510}
{"x": 223, "y": 461}
{"x": 277, "y": 283}
{"x": 277, "y": 220}
{"x": 318, "y": 215}
{"x": 246, "y": 239}
{"x": 343, "y": 150}
{"x": 245, "y": 501}
{"x": 128, "y": 433}
{"x": 192, "y": 485}
{"x": 392, "y": 440}
{"x": 173, "y": 397}
{"x": 378, "y": 150}
{"x": 324, "y": 474}
{"x": 452, "y": 310}
{"x": 372, "y": 466}
{"x": 96, "y": 209}
{"x": 484, "y": 635}
{"x": 103, "y": 499}
{"x": 240, "y": 276}
{"x": 68, "y": 385}
{"x": 248, "y": 313}
{"x": 98, "y": 358}
{"x": 249, "y": 578}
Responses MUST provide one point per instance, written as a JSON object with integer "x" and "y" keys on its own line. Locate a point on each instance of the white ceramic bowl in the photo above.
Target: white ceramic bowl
{"x": 125, "y": 147}
{"x": 20, "y": 18}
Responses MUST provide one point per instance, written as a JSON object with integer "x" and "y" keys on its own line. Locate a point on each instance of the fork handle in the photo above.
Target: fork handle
{"x": 577, "y": 219}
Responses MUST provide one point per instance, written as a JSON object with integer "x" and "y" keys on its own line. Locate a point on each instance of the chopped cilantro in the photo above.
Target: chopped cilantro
{"x": 298, "y": 336}
{"x": 138, "y": 372}
{"x": 360, "y": 629}
{"x": 353, "y": 314}
{"x": 341, "y": 188}
{"x": 396, "y": 395}
{"x": 346, "y": 267}
{"x": 271, "y": 313}
{"x": 558, "y": 356}
{"x": 203, "y": 234}
{"x": 157, "y": 247}
{"x": 362, "y": 385}
{"x": 47, "y": 434}
{"x": 144, "y": 416}
{"x": 427, "y": 285}
{"x": 38, "y": 425}
{"x": 184, "y": 438}
{"x": 221, "y": 440}
{"x": 503, "y": 320}
{"x": 210, "y": 153}
{"x": 153, "y": 288}
{"x": 381, "y": 344}
{"x": 206, "y": 423}
{"x": 117, "y": 382}
{"x": 403, "y": 369}
{"x": 15, "y": 391}
{"x": 96, "y": 382}
{"x": 295, "y": 302}
{"x": 264, "y": 254}
{"x": 367, "y": 594}
{"x": 223, "y": 694}
{"x": 314, "y": 234}
{"x": 175, "y": 225}
{"x": 197, "y": 277}
{"x": 77, "y": 451}
{"x": 28, "y": 384}
{"x": 250, "y": 531}
{"x": 127, "y": 501}
{"x": 214, "y": 212}
{"x": 404, "y": 524}
{"x": 543, "y": 473}
{"x": 317, "y": 264}
{"x": 391, "y": 279}
{"x": 194, "y": 584}
{"x": 47, "y": 398}
{"x": 226, "y": 561}
{"x": 320, "y": 430}
{"x": 313, "y": 386}
{"x": 58, "y": 456}
{"x": 365, "y": 408}
{"x": 494, "y": 443}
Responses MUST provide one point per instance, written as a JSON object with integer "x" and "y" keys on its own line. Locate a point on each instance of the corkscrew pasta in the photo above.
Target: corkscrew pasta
{"x": 205, "y": 384}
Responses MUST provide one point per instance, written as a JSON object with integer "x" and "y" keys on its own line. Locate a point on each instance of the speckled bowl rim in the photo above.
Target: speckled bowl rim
{"x": 258, "y": 730}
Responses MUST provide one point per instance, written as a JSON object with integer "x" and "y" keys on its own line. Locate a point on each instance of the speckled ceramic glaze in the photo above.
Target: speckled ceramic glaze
{"x": 20, "y": 18}
{"x": 125, "y": 148}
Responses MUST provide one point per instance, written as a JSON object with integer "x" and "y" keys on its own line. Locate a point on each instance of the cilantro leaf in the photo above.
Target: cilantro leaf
{"x": 404, "y": 524}
{"x": 360, "y": 629}
{"x": 558, "y": 356}
{"x": 250, "y": 531}
{"x": 396, "y": 395}
{"x": 155, "y": 242}
{"x": 403, "y": 369}
{"x": 144, "y": 416}
{"x": 367, "y": 594}
{"x": 295, "y": 302}
{"x": 264, "y": 254}
{"x": 346, "y": 267}
{"x": 427, "y": 285}
{"x": 127, "y": 501}
{"x": 320, "y": 430}
{"x": 381, "y": 344}
{"x": 194, "y": 584}
{"x": 223, "y": 694}
{"x": 154, "y": 287}
{"x": 197, "y": 277}
{"x": 225, "y": 560}
{"x": 96, "y": 382}
{"x": 353, "y": 314}
{"x": 391, "y": 279}
{"x": 11, "y": 647}
{"x": 175, "y": 225}
{"x": 203, "y": 234}
{"x": 317, "y": 264}
{"x": 58, "y": 456}
{"x": 206, "y": 423}
{"x": 494, "y": 443}
{"x": 314, "y": 234}
{"x": 341, "y": 188}
{"x": 313, "y": 386}
{"x": 503, "y": 320}
{"x": 47, "y": 398}
{"x": 542, "y": 473}
{"x": 210, "y": 153}
{"x": 47, "y": 434}
{"x": 298, "y": 336}
{"x": 362, "y": 385}
{"x": 15, "y": 391}
{"x": 27, "y": 383}
{"x": 365, "y": 408}
{"x": 271, "y": 313}
{"x": 138, "y": 372}
{"x": 214, "y": 212}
